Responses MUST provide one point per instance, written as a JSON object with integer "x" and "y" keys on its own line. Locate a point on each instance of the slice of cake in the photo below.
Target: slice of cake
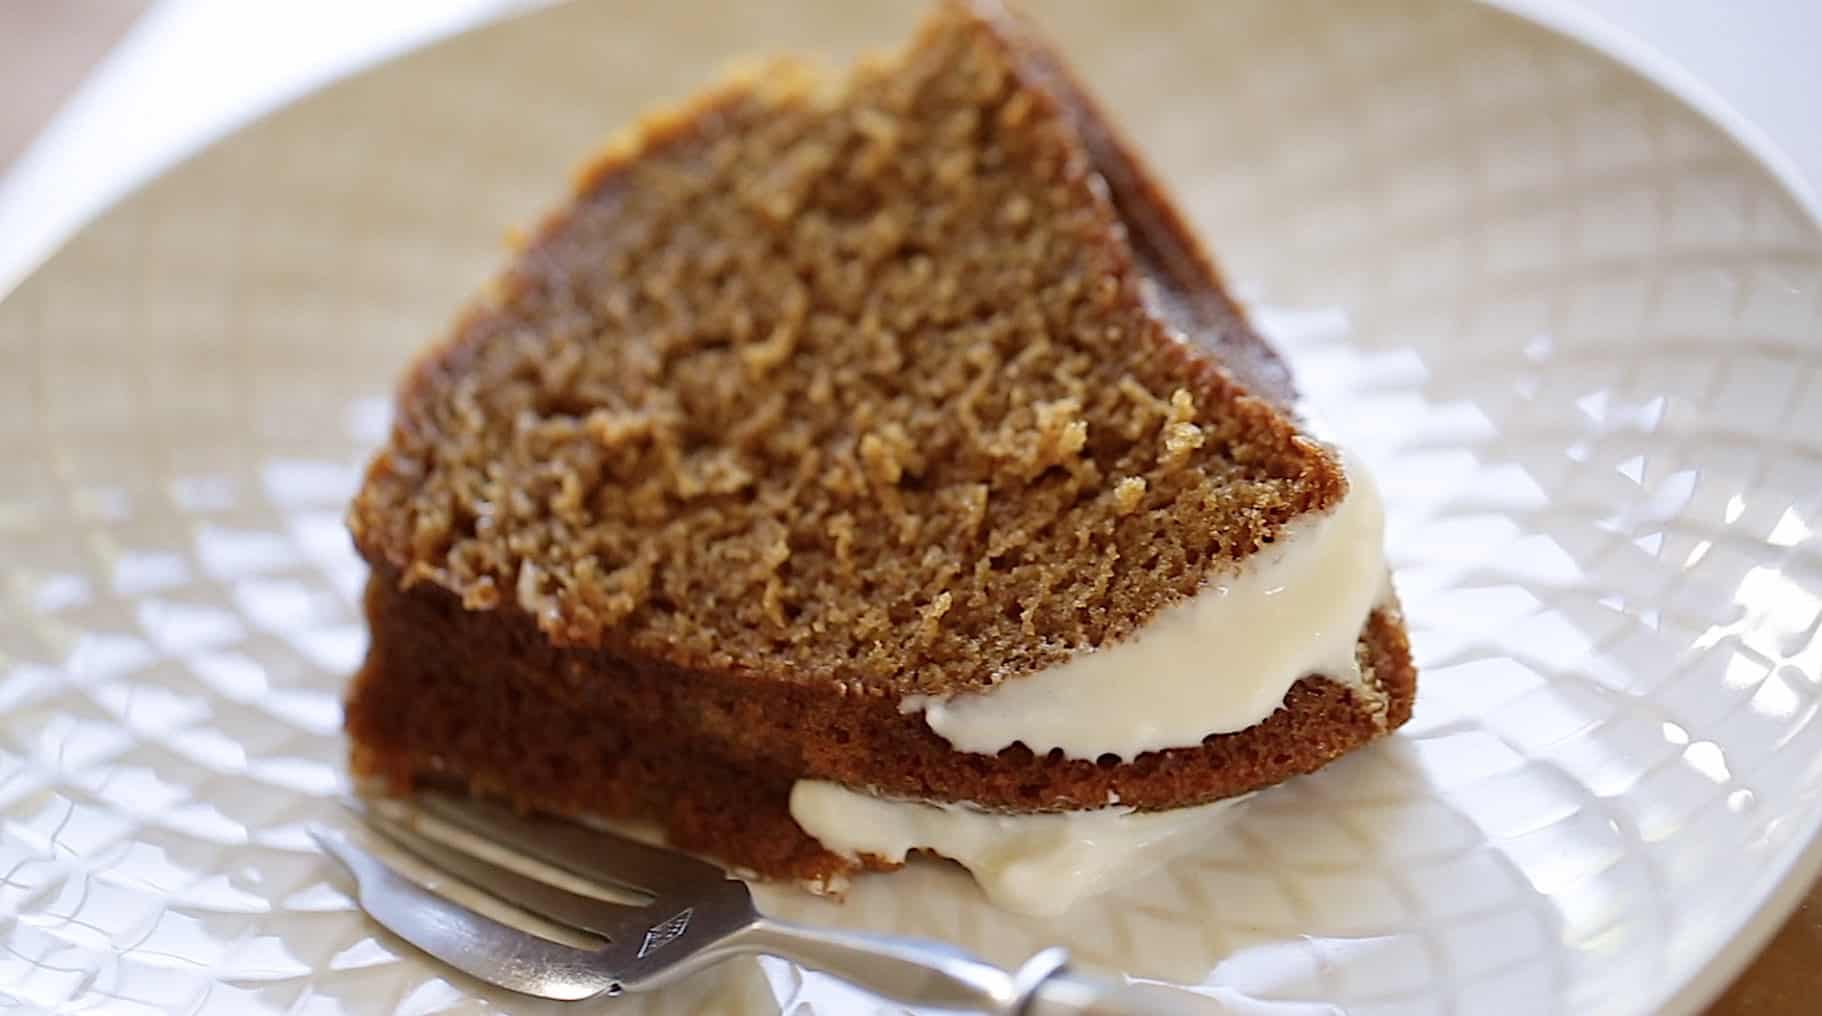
{"x": 861, "y": 466}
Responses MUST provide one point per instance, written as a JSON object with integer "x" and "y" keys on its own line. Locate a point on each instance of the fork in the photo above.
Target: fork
{"x": 693, "y": 915}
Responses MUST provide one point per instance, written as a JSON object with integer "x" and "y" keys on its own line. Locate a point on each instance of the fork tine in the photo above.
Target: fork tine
{"x": 603, "y": 917}
{"x": 472, "y": 943}
{"x": 591, "y": 853}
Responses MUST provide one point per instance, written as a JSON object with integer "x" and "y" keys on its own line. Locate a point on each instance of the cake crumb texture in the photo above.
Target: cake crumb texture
{"x": 845, "y": 383}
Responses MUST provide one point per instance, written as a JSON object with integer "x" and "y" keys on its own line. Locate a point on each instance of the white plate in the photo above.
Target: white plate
{"x": 1572, "y": 325}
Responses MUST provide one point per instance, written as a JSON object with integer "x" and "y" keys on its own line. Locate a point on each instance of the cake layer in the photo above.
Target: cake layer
{"x": 483, "y": 699}
{"x": 904, "y": 384}
{"x": 1217, "y": 662}
{"x": 816, "y": 399}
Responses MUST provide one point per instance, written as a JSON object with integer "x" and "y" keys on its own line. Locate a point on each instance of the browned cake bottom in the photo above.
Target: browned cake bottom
{"x": 484, "y": 701}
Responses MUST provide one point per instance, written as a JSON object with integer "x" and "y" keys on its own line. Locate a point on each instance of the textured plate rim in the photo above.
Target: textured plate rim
{"x": 1782, "y": 888}
{"x": 1579, "y": 25}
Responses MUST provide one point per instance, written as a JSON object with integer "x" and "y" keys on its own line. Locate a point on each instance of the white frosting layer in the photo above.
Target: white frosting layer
{"x": 1217, "y": 662}
{"x": 1038, "y": 864}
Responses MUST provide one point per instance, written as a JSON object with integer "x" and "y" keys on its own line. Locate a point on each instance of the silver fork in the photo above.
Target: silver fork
{"x": 693, "y": 916}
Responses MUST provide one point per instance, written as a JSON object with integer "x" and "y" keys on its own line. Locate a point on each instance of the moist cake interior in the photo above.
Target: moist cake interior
{"x": 819, "y": 393}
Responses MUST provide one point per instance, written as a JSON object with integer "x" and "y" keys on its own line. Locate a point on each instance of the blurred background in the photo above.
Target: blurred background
{"x": 47, "y": 45}
{"x": 97, "y": 95}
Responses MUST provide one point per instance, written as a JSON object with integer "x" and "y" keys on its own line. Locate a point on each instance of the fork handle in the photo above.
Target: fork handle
{"x": 923, "y": 973}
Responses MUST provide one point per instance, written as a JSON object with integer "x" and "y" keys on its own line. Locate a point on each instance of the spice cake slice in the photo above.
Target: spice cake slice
{"x": 882, "y": 443}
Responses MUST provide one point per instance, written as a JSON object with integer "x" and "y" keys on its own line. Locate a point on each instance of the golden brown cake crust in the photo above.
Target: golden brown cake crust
{"x": 1186, "y": 291}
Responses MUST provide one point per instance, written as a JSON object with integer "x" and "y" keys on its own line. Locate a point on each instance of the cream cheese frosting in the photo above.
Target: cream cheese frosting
{"x": 1034, "y": 863}
{"x": 1218, "y": 662}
